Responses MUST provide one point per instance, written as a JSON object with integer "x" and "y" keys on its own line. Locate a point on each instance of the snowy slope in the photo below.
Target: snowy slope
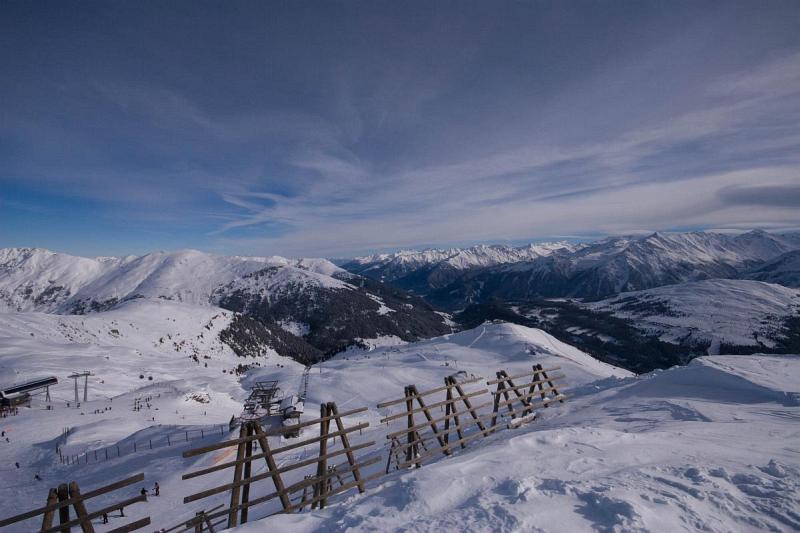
{"x": 733, "y": 312}
{"x": 682, "y": 449}
{"x": 707, "y": 447}
{"x": 360, "y": 378}
{"x": 163, "y": 339}
{"x": 329, "y": 307}
{"x": 33, "y": 279}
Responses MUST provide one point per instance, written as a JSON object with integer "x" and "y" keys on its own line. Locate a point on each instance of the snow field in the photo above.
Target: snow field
{"x": 706, "y": 447}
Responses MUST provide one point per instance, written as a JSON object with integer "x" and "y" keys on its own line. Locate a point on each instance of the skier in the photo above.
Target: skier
{"x": 157, "y": 489}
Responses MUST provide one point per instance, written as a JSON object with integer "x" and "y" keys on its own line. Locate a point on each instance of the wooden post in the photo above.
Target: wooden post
{"x": 448, "y": 398}
{"x": 248, "y": 452}
{"x": 454, "y": 411}
{"x": 346, "y": 444}
{"x": 468, "y": 404}
{"x": 273, "y": 468}
{"x": 497, "y": 393}
{"x": 63, "y": 512}
{"x": 412, "y": 450}
{"x": 237, "y": 477}
{"x": 427, "y": 413}
{"x": 550, "y": 383}
{"x": 80, "y": 508}
{"x": 322, "y": 465}
{"x": 47, "y": 520}
{"x": 209, "y": 524}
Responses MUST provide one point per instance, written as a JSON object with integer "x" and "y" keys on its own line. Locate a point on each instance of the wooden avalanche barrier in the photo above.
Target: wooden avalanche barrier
{"x": 526, "y": 398}
{"x": 314, "y": 490}
{"x": 421, "y": 441}
{"x": 65, "y": 495}
{"x": 199, "y": 524}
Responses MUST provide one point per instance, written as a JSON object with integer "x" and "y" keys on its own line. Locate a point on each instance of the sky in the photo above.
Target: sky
{"x": 325, "y": 128}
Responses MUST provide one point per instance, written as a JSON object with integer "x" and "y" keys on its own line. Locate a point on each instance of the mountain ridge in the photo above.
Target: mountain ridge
{"x": 305, "y": 306}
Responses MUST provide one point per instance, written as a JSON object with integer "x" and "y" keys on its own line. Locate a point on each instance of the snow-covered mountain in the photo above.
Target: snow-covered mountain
{"x": 312, "y": 300}
{"x": 725, "y": 315}
{"x": 620, "y": 264}
{"x": 423, "y": 270}
{"x": 784, "y": 269}
{"x": 34, "y": 279}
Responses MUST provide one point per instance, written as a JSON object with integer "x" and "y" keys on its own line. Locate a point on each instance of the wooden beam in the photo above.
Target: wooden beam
{"x": 431, "y": 453}
{"x": 429, "y": 436}
{"x": 428, "y": 416}
{"x": 271, "y": 433}
{"x": 346, "y": 444}
{"x": 265, "y": 475}
{"x": 223, "y": 466}
{"x": 338, "y": 490}
{"x": 80, "y": 508}
{"x": 52, "y": 499}
{"x": 70, "y": 501}
{"x": 465, "y": 398}
{"x": 515, "y": 376}
{"x": 248, "y": 452}
{"x": 460, "y": 434}
{"x": 273, "y": 468}
{"x": 322, "y": 465}
{"x": 299, "y": 485}
{"x": 434, "y": 405}
{"x": 538, "y": 403}
{"x": 244, "y": 431}
{"x": 63, "y": 512}
{"x": 427, "y": 392}
{"x": 532, "y": 383}
{"x": 133, "y": 526}
{"x": 95, "y": 514}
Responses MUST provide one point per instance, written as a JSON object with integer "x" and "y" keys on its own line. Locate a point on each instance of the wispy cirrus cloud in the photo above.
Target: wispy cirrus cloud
{"x": 396, "y": 126}
{"x": 717, "y": 153}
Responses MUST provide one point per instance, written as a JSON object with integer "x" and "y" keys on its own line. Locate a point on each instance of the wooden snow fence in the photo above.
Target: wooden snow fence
{"x": 527, "y": 397}
{"x": 199, "y": 524}
{"x": 314, "y": 490}
{"x": 464, "y": 414}
{"x": 65, "y": 495}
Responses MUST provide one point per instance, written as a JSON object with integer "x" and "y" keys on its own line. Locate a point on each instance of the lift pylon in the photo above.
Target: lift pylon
{"x": 85, "y": 375}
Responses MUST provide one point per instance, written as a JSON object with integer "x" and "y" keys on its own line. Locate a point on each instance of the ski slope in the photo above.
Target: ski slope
{"x": 709, "y": 446}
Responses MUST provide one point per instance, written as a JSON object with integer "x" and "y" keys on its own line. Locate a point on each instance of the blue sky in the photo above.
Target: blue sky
{"x": 337, "y": 128}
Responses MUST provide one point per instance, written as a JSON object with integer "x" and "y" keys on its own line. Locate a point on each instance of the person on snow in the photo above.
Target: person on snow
{"x": 157, "y": 489}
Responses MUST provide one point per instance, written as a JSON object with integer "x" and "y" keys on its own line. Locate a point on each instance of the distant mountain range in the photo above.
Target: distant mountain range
{"x": 424, "y": 270}
{"x": 594, "y": 270}
{"x": 641, "y": 302}
{"x": 310, "y": 305}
